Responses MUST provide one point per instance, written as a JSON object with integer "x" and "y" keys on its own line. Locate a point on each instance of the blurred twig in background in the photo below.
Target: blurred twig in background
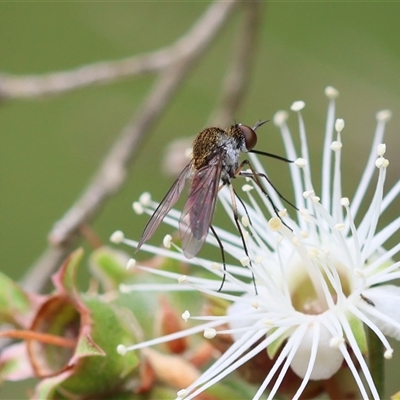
{"x": 188, "y": 47}
{"x": 172, "y": 63}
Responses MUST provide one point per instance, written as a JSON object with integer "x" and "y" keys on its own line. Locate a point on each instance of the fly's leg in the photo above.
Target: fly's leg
{"x": 368, "y": 301}
{"x": 255, "y": 176}
{"x": 222, "y": 255}
{"x": 236, "y": 218}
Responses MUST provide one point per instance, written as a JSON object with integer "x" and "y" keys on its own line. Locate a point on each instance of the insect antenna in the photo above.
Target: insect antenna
{"x": 259, "y": 123}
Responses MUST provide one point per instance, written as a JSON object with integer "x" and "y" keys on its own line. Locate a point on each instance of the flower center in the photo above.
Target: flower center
{"x": 332, "y": 278}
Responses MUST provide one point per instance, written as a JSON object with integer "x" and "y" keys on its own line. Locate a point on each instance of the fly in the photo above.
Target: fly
{"x": 215, "y": 158}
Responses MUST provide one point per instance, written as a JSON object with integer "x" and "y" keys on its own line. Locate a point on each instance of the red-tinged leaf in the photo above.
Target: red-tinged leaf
{"x": 15, "y": 364}
{"x": 16, "y": 306}
{"x": 64, "y": 279}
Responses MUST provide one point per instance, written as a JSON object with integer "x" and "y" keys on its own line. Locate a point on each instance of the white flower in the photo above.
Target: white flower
{"x": 317, "y": 284}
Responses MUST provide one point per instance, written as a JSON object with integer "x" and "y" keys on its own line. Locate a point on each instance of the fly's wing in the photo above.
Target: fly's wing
{"x": 166, "y": 204}
{"x": 199, "y": 208}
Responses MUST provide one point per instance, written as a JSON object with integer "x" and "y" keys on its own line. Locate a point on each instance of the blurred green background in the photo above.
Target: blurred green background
{"x": 51, "y": 147}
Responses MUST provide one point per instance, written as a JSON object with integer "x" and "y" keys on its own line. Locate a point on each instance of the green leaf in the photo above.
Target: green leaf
{"x": 109, "y": 267}
{"x": 47, "y": 388}
{"x": 357, "y": 327}
{"x": 274, "y": 347}
{"x": 233, "y": 389}
{"x": 97, "y": 375}
{"x": 15, "y": 304}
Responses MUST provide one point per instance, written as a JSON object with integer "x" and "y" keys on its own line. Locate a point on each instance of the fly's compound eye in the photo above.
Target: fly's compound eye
{"x": 250, "y": 136}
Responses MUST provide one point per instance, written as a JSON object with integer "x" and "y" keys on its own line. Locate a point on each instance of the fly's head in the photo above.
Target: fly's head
{"x": 244, "y": 137}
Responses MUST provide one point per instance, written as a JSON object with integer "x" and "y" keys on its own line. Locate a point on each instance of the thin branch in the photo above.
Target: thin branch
{"x": 237, "y": 79}
{"x": 233, "y": 88}
{"x": 112, "y": 171}
{"x": 104, "y": 72}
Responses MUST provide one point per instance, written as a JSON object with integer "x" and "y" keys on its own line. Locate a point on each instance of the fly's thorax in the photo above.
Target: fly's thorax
{"x": 232, "y": 147}
{"x": 230, "y": 159}
{"x": 237, "y": 137}
{"x": 216, "y": 142}
{"x": 206, "y": 145}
